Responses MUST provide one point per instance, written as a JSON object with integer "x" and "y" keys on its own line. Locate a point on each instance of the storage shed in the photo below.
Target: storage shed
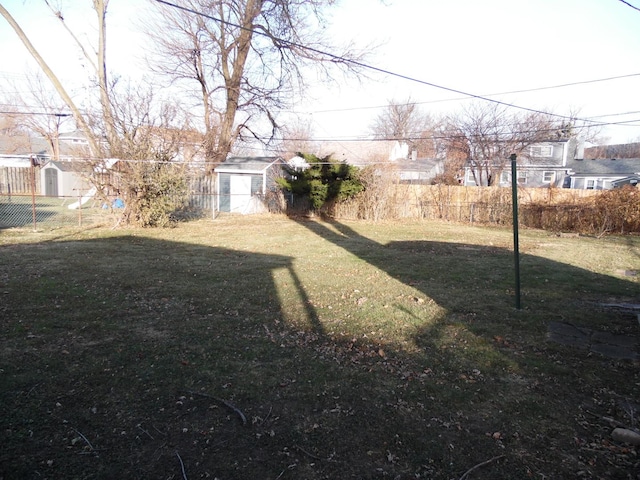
{"x": 242, "y": 183}
{"x": 65, "y": 178}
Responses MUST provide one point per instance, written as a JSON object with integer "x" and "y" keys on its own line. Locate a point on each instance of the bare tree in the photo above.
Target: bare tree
{"x": 406, "y": 123}
{"x": 128, "y": 123}
{"x": 38, "y": 109}
{"x": 484, "y": 135}
{"x": 55, "y": 81}
{"x": 244, "y": 58}
{"x": 297, "y": 137}
{"x": 14, "y": 137}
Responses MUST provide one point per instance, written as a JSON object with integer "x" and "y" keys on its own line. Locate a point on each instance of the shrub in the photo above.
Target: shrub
{"x": 154, "y": 191}
{"x": 324, "y": 180}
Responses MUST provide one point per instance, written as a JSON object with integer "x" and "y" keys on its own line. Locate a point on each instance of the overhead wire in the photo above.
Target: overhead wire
{"x": 630, "y": 5}
{"x": 528, "y": 90}
{"x": 52, "y": 114}
{"x": 341, "y": 59}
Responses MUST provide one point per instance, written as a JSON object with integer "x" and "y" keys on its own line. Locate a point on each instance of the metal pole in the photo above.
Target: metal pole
{"x": 33, "y": 192}
{"x": 516, "y": 247}
{"x": 80, "y": 208}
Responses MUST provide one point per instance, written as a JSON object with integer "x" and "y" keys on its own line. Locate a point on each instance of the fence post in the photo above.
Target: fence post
{"x": 79, "y": 208}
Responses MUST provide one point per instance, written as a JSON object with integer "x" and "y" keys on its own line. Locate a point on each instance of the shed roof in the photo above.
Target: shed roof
{"x": 247, "y": 164}
{"x": 70, "y": 166}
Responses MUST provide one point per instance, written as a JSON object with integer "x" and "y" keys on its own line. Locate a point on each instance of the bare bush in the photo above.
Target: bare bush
{"x": 378, "y": 201}
{"x": 618, "y": 210}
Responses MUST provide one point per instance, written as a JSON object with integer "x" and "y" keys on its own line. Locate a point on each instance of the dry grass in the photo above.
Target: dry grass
{"x": 352, "y": 349}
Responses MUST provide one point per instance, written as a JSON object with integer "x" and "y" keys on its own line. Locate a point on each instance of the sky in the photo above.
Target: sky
{"x": 447, "y": 52}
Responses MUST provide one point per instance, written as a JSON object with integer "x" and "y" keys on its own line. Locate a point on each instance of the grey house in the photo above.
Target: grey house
{"x": 242, "y": 183}
{"x": 544, "y": 164}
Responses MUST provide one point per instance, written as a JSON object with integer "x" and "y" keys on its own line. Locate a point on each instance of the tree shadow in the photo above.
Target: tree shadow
{"x": 130, "y": 357}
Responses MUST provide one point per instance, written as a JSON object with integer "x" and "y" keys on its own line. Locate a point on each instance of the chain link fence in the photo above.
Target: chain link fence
{"x": 26, "y": 211}
{"x": 42, "y": 212}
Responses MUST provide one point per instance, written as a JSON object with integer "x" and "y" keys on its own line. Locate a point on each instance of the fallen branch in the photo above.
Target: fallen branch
{"x": 85, "y": 439}
{"x": 487, "y": 462}
{"x": 144, "y": 431}
{"x": 184, "y": 474}
{"x": 230, "y": 406}
{"x": 268, "y": 415}
{"x": 611, "y": 421}
{"x": 309, "y": 454}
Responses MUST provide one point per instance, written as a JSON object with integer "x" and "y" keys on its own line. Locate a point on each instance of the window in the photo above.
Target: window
{"x": 522, "y": 177}
{"x": 590, "y": 184}
{"x": 256, "y": 184}
{"x": 548, "y": 176}
{"x": 505, "y": 177}
{"x": 224, "y": 192}
{"x": 541, "y": 150}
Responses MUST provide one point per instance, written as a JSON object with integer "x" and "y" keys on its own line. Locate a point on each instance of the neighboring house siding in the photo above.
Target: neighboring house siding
{"x": 539, "y": 165}
{"x": 560, "y": 164}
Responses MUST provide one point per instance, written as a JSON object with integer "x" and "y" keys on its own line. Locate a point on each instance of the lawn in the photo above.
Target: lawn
{"x": 50, "y": 212}
{"x": 264, "y": 347}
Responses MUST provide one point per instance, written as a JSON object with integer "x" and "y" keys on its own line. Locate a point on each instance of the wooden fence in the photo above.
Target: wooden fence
{"x": 18, "y": 180}
{"x": 456, "y": 203}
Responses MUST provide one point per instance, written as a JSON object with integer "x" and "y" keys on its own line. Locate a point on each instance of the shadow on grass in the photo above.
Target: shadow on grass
{"x": 116, "y": 354}
{"x": 21, "y": 215}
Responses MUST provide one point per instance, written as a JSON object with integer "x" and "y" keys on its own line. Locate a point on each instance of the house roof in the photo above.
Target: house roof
{"x": 624, "y": 150}
{"x": 23, "y": 145}
{"x": 15, "y": 161}
{"x": 247, "y": 164}
{"x": 631, "y": 179}
{"x": 603, "y": 167}
{"x": 28, "y": 145}
{"x": 418, "y": 165}
{"x": 360, "y": 152}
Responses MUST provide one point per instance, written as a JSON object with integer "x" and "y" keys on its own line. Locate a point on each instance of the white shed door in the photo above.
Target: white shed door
{"x": 240, "y": 190}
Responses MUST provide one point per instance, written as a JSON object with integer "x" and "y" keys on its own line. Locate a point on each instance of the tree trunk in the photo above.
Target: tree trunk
{"x": 233, "y": 74}
{"x": 100, "y": 7}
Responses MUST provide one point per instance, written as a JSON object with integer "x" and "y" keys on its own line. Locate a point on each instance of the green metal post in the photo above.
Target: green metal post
{"x": 516, "y": 247}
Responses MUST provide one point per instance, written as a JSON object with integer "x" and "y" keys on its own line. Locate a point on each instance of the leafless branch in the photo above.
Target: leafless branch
{"x": 229, "y": 405}
{"x": 184, "y": 473}
{"x": 85, "y": 439}
{"x": 475, "y": 467}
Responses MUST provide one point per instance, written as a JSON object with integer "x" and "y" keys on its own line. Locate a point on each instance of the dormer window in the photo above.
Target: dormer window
{"x": 541, "y": 150}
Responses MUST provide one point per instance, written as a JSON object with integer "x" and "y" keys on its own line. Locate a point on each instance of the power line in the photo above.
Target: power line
{"x": 341, "y": 59}
{"x": 485, "y": 95}
{"x": 9, "y": 112}
{"x": 629, "y": 5}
